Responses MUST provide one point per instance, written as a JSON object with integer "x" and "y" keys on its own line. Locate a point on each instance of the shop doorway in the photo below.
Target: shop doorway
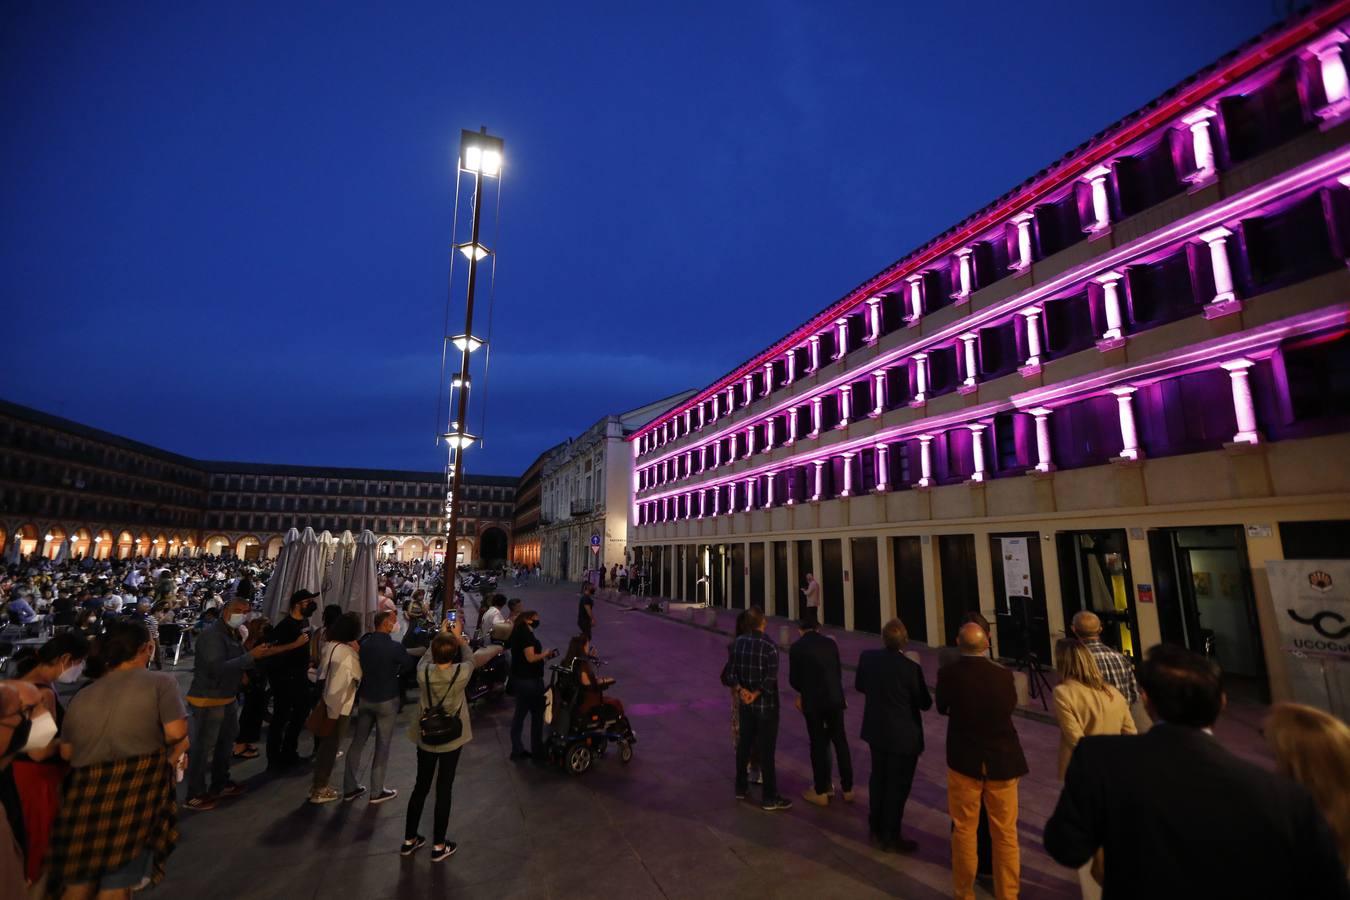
{"x": 757, "y": 597}
{"x": 866, "y": 586}
{"x": 1094, "y": 574}
{"x": 736, "y": 575}
{"x": 960, "y": 583}
{"x": 1019, "y": 596}
{"x": 1206, "y": 603}
{"x": 780, "y": 578}
{"x": 908, "y": 580}
{"x": 832, "y": 581}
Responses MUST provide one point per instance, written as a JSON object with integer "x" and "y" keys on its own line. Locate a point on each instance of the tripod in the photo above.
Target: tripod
{"x": 1038, "y": 686}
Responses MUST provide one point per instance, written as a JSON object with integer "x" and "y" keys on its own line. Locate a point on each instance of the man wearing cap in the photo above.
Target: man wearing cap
{"x": 288, "y": 673}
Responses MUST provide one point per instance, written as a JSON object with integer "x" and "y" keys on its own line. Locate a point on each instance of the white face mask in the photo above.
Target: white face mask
{"x": 42, "y": 732}
{"x": 71, "y": 675}
{"x": 235, "y": 620}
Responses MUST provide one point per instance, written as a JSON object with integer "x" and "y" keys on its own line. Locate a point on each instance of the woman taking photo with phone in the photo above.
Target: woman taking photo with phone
{"x": 527, "y": 680}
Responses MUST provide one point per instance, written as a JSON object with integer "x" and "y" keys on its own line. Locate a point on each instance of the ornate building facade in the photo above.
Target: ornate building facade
{"x": 1123, "y": 386}
{"x": 114, "y": 497}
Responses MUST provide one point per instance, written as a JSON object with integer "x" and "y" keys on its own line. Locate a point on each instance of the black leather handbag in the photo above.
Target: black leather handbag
{"x": 436, "y": 726}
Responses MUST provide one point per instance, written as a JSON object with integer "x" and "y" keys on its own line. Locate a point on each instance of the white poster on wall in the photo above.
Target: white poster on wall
{"x": 1016, "y": 568}
{"x": 1312, "y": 611}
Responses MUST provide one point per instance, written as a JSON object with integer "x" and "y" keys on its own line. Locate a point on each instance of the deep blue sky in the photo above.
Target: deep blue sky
{"x": 224, "y": 227}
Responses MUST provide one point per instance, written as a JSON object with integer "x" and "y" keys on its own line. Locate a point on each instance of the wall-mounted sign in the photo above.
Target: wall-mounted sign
{"x": 1312, "y": 611}
{"x": 1145, "y": 593}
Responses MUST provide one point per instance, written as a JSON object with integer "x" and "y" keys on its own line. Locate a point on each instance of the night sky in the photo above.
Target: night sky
{"x": 224, "y": 227}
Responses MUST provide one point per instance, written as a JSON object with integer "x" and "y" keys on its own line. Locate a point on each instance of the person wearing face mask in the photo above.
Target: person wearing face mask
{"x": 527, "y": 680}
{"x": 123, "y": 735}
{"x": 20, "y": 705}
{"x": 217, "y": 674}
{"x": 288, "y": 674}
{"x": 38, "y": 774}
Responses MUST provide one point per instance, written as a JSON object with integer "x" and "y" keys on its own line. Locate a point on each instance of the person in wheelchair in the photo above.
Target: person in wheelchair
{"x": 592, "y": 704}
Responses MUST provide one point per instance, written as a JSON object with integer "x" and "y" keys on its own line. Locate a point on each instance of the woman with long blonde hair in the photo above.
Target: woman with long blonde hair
{"x": 1313, "y": 748}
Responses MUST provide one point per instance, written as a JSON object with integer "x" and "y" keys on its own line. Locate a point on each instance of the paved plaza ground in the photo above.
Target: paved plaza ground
{"x": 667, "y": 825}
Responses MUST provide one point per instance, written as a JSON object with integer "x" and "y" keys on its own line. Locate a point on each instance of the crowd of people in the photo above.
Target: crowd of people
{"x": 95, "y": 739}
{"x": 1152, "y": 804}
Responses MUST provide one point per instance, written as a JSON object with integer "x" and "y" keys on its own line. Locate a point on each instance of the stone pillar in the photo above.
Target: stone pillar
{"x": 790, "y": 363}
{"x": 920, "y": 379}
{"x": 1217, "y": 239}
{"x": 1110, "y": 282}
{"x": 1044, "y": 463}
{"x": 915, "y": 299}
{"x": 1129, "y": 437}
{"x": 749, "y": 494}
{"x": 791, "y": 427}
{"x": 813, "y": 348}
{"x": 1331, "y": 68}
{"x": 977, "y": 451}
{"x": 845, "y": 404}
{"x": 1198, "y": 122}
{"x": 883, "y": 467}
{"x": 841, "y": 338}
{"x": 1243, "y": 407}
{"x": 925, "y": 461}
{"x": 879, "y": 391}
{"x": 1032, "y": 315}
{"x": 818, "y": 482}
{"x": 768, "y": 378}
{"x": 1023, "y": 222}
{"x": 968, "y": 358}
{"x": 1101, "y": 208}
{"x": 770, "y": 434}
{"x": 964, "y": 275}
{"x": 848, "y": 475}
{"x": 874, "y": 319}
{"x": 749, "y": 441}
{"x": 816, "y": 404}
{"x": 768, "y": 491}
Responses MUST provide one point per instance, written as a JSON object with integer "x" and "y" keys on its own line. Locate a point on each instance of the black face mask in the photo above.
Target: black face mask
{"x": 310, "y": 609}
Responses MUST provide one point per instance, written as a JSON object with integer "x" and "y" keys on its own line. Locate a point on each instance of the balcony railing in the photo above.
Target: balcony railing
{"x": 582, "y": 507}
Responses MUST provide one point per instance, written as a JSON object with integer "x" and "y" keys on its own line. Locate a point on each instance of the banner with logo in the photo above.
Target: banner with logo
{"x": 1312, "y": 611}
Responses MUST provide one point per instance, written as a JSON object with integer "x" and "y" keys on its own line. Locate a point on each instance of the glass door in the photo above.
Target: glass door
{"x": 1094, "y": 574}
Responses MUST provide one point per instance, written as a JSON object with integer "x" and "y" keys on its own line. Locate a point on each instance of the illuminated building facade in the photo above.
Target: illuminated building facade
{"x": 1123, "y": 386}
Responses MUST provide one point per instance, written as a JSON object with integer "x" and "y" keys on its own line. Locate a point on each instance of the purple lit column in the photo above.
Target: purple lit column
{"x": 749, "y": 494}
{"x": 925, "y": 461}
{"x": 920, "y": 379}
{"x": 883, "y": 467}
{"x": 716, "y": 407}
{"x": 915, "y": 299}
{"x": 717, "y": 453}
{"x": 964, "y": 275}
{"x": 968, "y": 357}
{"x": 791, "y": 427}
{"x": 874, "y": 319}
{"x": 1129, "y": 436}
{"x": 1331, "y": 67}
{"x": 768, "y": 378}
{"x": 1101, "y": 209}
{"x": 770, "y": 429}
{"x": 1023, "y": 223}
{"x": 841, "y": 338}
{"x": 749, "y": 382}
{"x": 1032, "y": 317}
{"x": 1113, "y": 335}
{"x": 749, "y": 441}
{"x": 768, "y": 491}
{"x": 816, "y": 404}
{"x": 845, "y": 405}
{"x": 819, "y": 478}
{"x": 1201, "y": 148}
{"x": 1224, "y": 300}
{"x": 879, "y": 390}
{"x": 716, "y": 501}
{"x": 1043, "y": 460}
{"x": 848, "y": 475}
{"x": 977, "y": 451}
{"x": 790, "y": 364}
{"x": 813, "y": 346}
{"x": 1243, "y": 407}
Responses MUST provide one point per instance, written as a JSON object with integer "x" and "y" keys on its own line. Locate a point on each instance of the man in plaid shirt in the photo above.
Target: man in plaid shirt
{"x": 754, "y": 673}
{"x": 1117, "y": 669}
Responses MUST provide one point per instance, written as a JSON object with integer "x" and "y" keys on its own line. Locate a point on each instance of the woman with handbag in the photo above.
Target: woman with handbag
{"x": 440, "y": 732}
{"x": 340, "y": 674}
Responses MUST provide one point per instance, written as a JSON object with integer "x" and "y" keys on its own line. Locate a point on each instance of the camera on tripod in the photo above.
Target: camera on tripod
{"x": 1015, "y": 643}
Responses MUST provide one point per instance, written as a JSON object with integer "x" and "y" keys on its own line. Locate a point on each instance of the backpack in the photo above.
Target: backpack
{"x": 436, "y": 726}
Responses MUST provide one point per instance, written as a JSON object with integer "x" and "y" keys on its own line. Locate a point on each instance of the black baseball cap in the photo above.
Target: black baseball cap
{"x": 302, "y": 595}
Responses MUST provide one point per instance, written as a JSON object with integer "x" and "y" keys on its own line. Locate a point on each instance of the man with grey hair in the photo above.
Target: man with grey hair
{"x": 1117, "y": 669}
{"x": 383, "y": 663}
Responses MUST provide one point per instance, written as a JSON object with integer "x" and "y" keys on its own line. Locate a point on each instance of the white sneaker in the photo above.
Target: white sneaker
{"x": 383, "y": 795}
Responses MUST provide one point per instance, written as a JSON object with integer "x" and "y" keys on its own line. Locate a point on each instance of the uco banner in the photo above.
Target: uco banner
{"x": 1312, "y": 611}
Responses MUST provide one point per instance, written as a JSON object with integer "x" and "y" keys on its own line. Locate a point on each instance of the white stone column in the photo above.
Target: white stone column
{"x": 1110, "y": 282}
{"x": 920, "y": 379}
{"x": 813, "y": 349}
{"x": 749, "y": 388}
{"x": 716, "y": 406}
{"x": 1032, "y": 315}
{"x": 1243, "y": 406}
{"x": 879, "y": 391}
{"x": 874, "y": 319}
{"x": 1217, "y": 239}
{"x": 1101, "y": 207}
{"x": 1129, "y": 436}
{"x": 1043, "y": 461}
{"x": 977, "y": 451}
{"x": 819, "y": 476}
{"x": 1023, "y": 222}
{"x": 768, "y": 378}
{"x": 731, "y": 399}
{"x": 768, "y": 491}
{"x": 845, "y": 405}
{"x": 1331, "y": 66}
{"x": 925, "y": 461}
{"x": 749, "y": 494}
{"x": 770, "y": 434}
{"x": 968, "y": 356}
{"x": 791, "y": 427}
{"x": 1198, "y": 122}
{"x": 841, "y": 338}
{"x": 749, "y": 441}
{"x": 716, "y": 501}
{"x": 848, "y": 475}
{"x": 717, "y": 453}
{"x": 915, "y": 299}
{"x": 883, "y": 467}
{"x": 816, "y": 404}
{"x": 699, "y": 505}
{"x": 965, "y": 277}
{"x": 790, "y": 363}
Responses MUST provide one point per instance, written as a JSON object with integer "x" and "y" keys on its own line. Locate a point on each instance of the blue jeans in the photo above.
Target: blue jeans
{"x": 211, "y": 735}
{"x": 529, "y": 702}
{"x": 379, "y": 716}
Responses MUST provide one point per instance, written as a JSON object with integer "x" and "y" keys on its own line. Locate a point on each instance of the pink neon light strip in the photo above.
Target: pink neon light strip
{"x": 1252, "y": 59}
{"x": 1326, "y": 167}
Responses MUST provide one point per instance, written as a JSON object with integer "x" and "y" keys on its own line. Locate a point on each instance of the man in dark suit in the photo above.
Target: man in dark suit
{"x": 984, "y": 761}
{"x": 1177, "y": 815}
{"x": 815, "y": 674}
{"x": 892, "y": 726}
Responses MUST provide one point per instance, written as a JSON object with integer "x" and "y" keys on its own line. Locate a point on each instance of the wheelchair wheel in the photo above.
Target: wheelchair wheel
{"x": 578, "y": 759}
{"x": 625, "y": 752}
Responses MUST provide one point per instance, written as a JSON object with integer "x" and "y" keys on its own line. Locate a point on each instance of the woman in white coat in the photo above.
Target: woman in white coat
{"x": 340, "y": 674}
